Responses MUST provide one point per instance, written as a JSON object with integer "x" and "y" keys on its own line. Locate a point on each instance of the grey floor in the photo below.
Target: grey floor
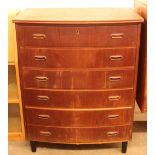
{"x": 136, "y": 147}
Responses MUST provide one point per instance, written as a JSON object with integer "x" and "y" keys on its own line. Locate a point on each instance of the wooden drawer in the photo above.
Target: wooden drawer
{"x": 77, "y": 79}
{"x": 69, "y": 57}
{"x": 78, "y": 99}
{"x": 79, "y": 118}
{"x": 79, "y": 135}
{"x": 77, "y": 35}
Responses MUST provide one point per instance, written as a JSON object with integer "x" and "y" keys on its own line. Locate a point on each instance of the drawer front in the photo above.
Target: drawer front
{"x": 79, "y": 135}
{"x": 69, "y": 57}
{"x": 51, "y": 79}
{"x": 78, "y": 99}
{"x": 75, "y": 79}
{"x": 78, "y": 35}
{"x": 79, "y": 118}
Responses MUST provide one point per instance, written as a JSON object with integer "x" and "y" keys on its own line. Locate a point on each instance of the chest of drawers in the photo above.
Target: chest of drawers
{"x": 78, "y": 70}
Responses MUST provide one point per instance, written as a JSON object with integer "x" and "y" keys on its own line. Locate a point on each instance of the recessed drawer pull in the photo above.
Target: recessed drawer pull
{"x": 116, "y": 57}
{"x": 114, "y": 78}
{"x": 44, "y": 133}
{"x": 43, "y": 116}
{"x": 112, "y": 133}
{"x": 113, "y": 98}
{"x": 113, "y": 116}
{"x": 39, "y": 57}
{"x": 41, "y": 78}
{"x": 117, "y": 35}
{"x": 42, "y": 98}
{"x": 39, "y": 36}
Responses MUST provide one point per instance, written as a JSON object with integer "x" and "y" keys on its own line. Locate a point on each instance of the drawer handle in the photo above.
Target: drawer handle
{"x": 39, "y": 57}
{"x": 117, "y": 35}
{"x": 113, "y": 116}
{"x": 44, "y": 133}
{"x": 39, "y": 36}
{"x": 113, "y": 98}
{"x": 114, "y": 78}
{"x": 116, "y": 57}
{"x": 43, "y": 116}
{"x": 41, "y": 78}
{"x": 112, "y": 133}
{"x": 42, "y": 98}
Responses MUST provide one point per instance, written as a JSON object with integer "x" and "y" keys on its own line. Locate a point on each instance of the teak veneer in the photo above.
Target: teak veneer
{"x": 78, "y": 73}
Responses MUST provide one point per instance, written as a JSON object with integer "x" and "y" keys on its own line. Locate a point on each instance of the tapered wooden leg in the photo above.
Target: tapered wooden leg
{"x": 33, "y": 146}
{"x": 124, "y": 147}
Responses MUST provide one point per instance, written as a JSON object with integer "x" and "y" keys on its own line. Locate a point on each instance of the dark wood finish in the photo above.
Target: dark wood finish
{"x": 78, "y": 118}
{"x": 33, "y": 146}
{"x": 124, "y": 147}
{"x": 79, "y": 135}
{"x": 78, "y": 99}
{"x": 89, "y": 57}
{"x": 78, "y": 35}
{"x": 78, "y": 77}
{"x": 141, "y": 8}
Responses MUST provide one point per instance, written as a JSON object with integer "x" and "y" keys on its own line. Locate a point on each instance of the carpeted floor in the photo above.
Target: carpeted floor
{"x": 136, "y": 147}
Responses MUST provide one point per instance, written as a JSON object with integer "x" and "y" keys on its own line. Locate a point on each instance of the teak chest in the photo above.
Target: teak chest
{"x": 78, "y": 71}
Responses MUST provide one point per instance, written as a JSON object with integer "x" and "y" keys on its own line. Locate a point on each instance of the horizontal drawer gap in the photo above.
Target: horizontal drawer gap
{"x": 83, "y": 90}
{"x": 82, "y": 48}
{"x": 78, "y": 109}
{"x": 81, "y": 69}
{"x": 62, "y": 127}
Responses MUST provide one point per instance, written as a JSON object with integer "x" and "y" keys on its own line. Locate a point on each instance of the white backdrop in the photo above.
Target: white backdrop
{"x": 69, "y": 3}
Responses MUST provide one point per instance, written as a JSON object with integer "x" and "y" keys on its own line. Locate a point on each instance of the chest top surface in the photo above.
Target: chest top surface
{"x": 77, "y": 16}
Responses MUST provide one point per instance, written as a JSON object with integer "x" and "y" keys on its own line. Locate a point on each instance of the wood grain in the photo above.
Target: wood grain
{"x": 78, "y": 15}
{"x": 66, "y": 63}
{"x": 77, "y": 79}
{"x": 78, "y": 118}
{"x": 79, "y": 135}
{"x": 78, "y": 99}
{"x": 77, "y": 35}
{"x": 89, "y": 57}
